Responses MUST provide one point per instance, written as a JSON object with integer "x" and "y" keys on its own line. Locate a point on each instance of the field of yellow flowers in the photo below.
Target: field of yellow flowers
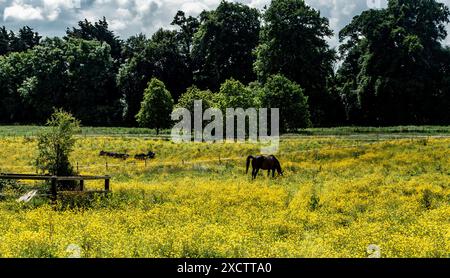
{"x": 338, "y": 195}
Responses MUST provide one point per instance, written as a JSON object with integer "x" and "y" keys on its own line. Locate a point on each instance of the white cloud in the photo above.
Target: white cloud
{"x": 20, "y": 11}
{"x": 53, "y": 15}
{"x": 142, "y": 6}
{"x": 193, "y": 7}
{"x": 123, "y": 13}
{"x": 118, "y": 25}
{"x": 122, "y": 3}
{"x": 54, "y": 4}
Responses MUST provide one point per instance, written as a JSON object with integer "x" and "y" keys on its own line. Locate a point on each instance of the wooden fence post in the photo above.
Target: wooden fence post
{"x": 107, "y": 184}
{"x": 53, "y": 188}
{"x": 81, "y": 185}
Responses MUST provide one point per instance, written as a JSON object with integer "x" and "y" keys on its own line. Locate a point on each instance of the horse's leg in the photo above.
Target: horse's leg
{"x": 253, "y": 173}
{"x": 256, "y": 172}
{"x": 268, "y": 173}
{"x": 273, "y": 173}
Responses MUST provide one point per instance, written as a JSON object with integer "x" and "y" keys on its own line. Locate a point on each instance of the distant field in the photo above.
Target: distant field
{"x": 339, "y": 195}
{"x": 119, "y": 131}
{"x": 33, "y": 130}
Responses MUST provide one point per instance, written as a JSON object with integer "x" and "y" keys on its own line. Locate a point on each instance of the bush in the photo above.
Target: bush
{"x": 5, "y": 184}
{"x": 55, "y": 145}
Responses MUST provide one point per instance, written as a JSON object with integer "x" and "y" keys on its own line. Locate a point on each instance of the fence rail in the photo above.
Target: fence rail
{"x": 54, "y": 180}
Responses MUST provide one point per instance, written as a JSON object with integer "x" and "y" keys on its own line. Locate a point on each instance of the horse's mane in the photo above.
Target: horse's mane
{"x": 277, "y": 164}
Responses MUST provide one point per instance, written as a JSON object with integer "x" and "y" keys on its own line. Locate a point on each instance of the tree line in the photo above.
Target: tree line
{"x": 391, "y": 67}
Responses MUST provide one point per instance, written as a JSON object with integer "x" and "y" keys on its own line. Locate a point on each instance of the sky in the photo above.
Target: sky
{"x": 130, "y": 17}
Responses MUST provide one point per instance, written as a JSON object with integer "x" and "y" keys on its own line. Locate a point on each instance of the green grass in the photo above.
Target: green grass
{"x": 428, "y": 130}
{"x": 31, "y": 130}
{"x": 27, "y": 130}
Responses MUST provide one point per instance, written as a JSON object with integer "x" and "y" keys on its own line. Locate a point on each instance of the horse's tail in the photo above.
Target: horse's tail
{"x": 248, "y": 162}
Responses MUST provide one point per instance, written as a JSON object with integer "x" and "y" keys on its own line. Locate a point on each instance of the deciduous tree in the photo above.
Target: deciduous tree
{"x": 156, "y": 106}
{"x": 294, "y": 43}
{"x": 224, "y": 44}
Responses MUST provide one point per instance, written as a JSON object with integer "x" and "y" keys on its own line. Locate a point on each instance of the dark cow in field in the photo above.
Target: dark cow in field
{"x": 143, "y": 156}
{"x": 123, "y": 156}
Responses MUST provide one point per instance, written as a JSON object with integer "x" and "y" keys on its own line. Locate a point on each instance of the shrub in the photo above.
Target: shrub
{"x": 55, "y": 145}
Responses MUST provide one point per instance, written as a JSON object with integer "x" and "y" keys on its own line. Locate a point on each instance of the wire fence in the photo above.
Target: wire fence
{"x": 107, "y": 166}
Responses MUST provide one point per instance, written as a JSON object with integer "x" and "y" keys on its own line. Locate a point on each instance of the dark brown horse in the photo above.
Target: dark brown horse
{"x": 269, "y": 163}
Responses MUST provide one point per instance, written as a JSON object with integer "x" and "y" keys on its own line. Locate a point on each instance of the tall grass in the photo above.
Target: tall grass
{"x": 338, "y": 195}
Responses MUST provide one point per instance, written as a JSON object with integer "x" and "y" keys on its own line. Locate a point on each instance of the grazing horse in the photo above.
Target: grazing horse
{"x": 269, "y": 163}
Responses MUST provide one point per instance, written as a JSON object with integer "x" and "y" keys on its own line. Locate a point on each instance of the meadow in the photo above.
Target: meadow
{"x": 338, "y": 195}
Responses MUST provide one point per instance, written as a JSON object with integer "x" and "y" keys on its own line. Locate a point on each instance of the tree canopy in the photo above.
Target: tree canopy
{"x": 159, "y": 57}
{"x": 25, "y": 39}
{"x": 294, "y": 43}
{"x": 97, "y": 31}
{"x": 280, "y": 92}
{"x": 394, "y": 64}
{"x": 224, "y": 43}
{"x": 391, "y": 66}
{"x": 156, "y": 106}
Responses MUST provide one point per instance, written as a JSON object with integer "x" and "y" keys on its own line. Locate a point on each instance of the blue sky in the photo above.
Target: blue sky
{"x": 129, "y": 17}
